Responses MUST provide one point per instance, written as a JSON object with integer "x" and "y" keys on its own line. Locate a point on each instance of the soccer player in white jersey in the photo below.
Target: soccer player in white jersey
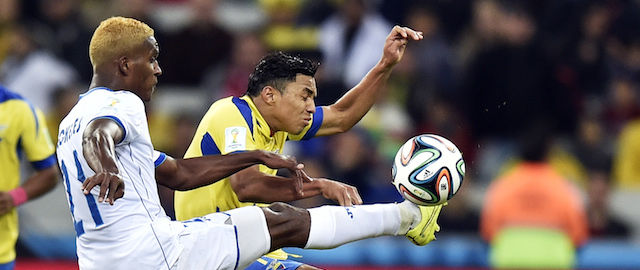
{"x": 105, "y": 141}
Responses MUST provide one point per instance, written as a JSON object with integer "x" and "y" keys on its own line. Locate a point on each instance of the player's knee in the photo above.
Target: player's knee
{"x": 288, "y": 225}
{"x": 289, "y": 213}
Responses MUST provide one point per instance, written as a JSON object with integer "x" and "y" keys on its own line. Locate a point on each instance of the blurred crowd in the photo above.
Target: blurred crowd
{"x": 484, "y": 71}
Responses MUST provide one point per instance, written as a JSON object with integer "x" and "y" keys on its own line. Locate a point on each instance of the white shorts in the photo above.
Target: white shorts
{"x": 225, "y": 240}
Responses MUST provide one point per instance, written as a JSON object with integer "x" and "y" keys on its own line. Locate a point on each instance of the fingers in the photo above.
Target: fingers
{"x": 350, "y": 197}
{"x": 355, "y": 196}
{"x": 297, "y": 182}
{"x": 88, "y": 184}
{"x": 406, "y": 32}
{"x": 305, "y": 177}
{"x": 111, "y": 187}
{"x": 114, "y": 188}
{"x": 103, "y": 190}
{"x": 346, "y": 195}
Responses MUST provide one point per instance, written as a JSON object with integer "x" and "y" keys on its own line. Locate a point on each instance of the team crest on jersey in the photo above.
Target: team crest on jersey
{"x": 235, "y": 139}
{"x": 112, "y": 103}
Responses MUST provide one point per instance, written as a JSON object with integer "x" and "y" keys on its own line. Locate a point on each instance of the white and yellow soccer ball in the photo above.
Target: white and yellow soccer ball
{"x": 428, "y": 170}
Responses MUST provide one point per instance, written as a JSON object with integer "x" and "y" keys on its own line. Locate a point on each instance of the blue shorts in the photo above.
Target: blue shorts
{"x": 8, "y": 266}
{"x": 266, "y": 263}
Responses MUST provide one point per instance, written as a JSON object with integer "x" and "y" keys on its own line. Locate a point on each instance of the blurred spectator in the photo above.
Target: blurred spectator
{"x": 623, "y": 46}
{"x": 461, "y": 218}
{"x": 63, "y": 99}
{"x": 454, "y": 15}
{"x": 602, "y": 224}
{"x": 9, "y": 13}
{"x": 64, "y": 29}
{"x": 284, "y": 34}
{"x": 507, "y": 85}
{"x": 621, "y": 105}
{"x": 481, "y": 33}
{"x": 579, "y": 48}
{"x": 231, "y": 77}
{"x": 388, "y": 121}
{"x": 138, "y": 9}
{"x": 349, "y": 39}
{"x": 201, "y": 45}
{"x": 21, "y": 134}
{"x": 34, "y": 72}
{"x": 315, "y": 12}
{"x": 626, "y": 172}
{"x": 512, "y": 83}
{"x": 532, "y": 216}
{"x": 351, "y": 159}
{"x": 593, "y": 146}
{"x": 435, "y": 62}
{"x": 443, "y": 118}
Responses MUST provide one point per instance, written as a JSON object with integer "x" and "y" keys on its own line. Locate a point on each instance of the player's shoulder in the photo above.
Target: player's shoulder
{"x": 223, "y": 104}
{"x": 16, "y": 105}
{"x": 6, "y": 95}
{"x": 227, "y": 107}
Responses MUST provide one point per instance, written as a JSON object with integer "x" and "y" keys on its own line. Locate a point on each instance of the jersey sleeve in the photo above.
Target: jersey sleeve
{"x": 35, "y": 139}
{"x": 127, "y": 110}
{"x": 310, "y": 131}
{"x": 158, "y": 158}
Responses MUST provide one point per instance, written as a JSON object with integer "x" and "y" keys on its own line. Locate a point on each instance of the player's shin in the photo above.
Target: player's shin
{"x": 332, "y": 226}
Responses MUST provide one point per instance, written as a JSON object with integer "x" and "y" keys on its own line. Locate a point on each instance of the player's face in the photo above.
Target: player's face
{"x": 297, "y": 104}
{"x": 145, "y": 69}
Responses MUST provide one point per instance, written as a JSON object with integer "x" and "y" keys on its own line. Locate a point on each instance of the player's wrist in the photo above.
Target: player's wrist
{"x": 18, "y": 196}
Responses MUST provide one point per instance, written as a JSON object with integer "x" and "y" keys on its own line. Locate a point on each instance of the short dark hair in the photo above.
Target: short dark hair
{"x": 277, "y": 69}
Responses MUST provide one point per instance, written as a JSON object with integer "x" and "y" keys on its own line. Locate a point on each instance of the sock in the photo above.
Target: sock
{"x": 410, "y": 216}
{"x": 332, "y": 226}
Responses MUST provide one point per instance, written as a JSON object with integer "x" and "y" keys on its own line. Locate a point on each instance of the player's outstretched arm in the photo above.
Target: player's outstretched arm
{"x": 252, "y": 185}
{"x": 98, "y": 147}
{"x": 353, "y": 105}
{"x": 185, "y": 174}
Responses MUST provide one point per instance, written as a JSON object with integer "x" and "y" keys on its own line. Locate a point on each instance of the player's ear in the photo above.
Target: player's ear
{"x": 268, "y": 94}
{"x": 123, "y": 65}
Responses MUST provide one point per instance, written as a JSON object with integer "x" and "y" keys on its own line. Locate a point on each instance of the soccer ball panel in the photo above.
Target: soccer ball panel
{"x": 428, "y": 170}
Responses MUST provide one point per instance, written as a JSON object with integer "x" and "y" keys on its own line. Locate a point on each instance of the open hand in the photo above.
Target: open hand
{"x": 108, "y": 182}
{"x": 396, "y": 43}
{"x": 343, "y": 194}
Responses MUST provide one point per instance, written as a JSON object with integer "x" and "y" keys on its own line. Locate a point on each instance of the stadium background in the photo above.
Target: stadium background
{"x": 476, "y": 78}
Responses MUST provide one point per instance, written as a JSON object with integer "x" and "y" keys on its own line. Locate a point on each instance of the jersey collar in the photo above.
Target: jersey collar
{"x": 261, "y": 124}
{"x": 94, "y": 89}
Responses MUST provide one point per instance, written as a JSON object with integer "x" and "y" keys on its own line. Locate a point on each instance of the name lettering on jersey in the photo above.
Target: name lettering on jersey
{"x": 66, "y": 133}
{"x": 235, "y": 139}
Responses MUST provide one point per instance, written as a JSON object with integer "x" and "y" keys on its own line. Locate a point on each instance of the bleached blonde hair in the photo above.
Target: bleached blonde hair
{"x": 115, "y": 37}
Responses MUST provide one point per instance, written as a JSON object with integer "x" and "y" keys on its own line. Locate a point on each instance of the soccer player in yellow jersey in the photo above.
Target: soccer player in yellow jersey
{"x": 279, "y": 106}
{"x": 23, "y": 131}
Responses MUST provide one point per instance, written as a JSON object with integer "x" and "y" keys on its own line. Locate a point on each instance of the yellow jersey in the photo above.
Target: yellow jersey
{"x": 23, "y": 132}
{"x": 232, "y": 124}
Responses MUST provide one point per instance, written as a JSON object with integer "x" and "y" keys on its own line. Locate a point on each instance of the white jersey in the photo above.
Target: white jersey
{"x": 123, "y": 235}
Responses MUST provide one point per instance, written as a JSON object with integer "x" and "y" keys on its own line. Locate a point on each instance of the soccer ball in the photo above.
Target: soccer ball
{"x": 428, "y": 170}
